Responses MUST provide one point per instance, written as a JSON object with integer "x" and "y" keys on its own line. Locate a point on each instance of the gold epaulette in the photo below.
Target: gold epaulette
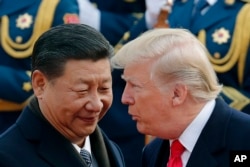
{"x": 237, "y": 52}
{"x": 119, "y": 45}
{"x": 42, "y": 23}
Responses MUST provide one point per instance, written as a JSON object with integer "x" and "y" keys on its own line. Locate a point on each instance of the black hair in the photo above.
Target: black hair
{"x": 66, "y": 42}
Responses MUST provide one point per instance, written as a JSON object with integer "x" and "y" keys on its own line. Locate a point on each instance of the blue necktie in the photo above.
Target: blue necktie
{"x": 86, "y": 156}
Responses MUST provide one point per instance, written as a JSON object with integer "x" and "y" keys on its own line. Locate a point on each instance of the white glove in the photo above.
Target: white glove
{"x": 89, "y": 14}
{"x": 152, "y": 11}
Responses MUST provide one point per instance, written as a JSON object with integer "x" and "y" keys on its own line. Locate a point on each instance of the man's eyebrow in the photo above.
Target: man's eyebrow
{"x": 107, "y": 80}
{"x": 129, "y": 79}
{"x": 84, "y": 80}
{"x": 125, "y": 78}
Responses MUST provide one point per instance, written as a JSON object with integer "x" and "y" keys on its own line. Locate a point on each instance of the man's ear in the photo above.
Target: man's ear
{"x": 39, "y": 82}
{"x": 180, "y": 94}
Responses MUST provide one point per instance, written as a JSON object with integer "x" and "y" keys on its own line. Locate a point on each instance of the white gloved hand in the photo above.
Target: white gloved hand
{"x": 89, "y": 14}
{"x": 153, "y": 8}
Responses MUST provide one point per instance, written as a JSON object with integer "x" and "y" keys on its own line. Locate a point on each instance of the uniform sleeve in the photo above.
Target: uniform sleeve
{"x": 15, "y": 84}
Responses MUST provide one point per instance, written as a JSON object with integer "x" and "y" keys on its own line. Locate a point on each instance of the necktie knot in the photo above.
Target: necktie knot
{"x": 175, "y": 154}
{"x": 177, "y": 148}
{"x": 86, "y": 156}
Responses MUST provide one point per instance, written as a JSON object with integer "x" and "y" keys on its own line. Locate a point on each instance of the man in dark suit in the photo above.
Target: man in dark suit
{"x": 173, "y": 94}
{"x": 72, "y": 83}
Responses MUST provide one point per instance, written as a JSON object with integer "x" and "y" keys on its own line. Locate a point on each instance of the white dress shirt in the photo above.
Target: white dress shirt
{"x": 191, "y": 134}
{"x": 86, "y": 146}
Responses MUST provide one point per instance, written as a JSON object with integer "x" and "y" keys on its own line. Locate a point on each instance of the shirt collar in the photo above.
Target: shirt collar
{"x": 86, "y": 146}
{"x": 191, "y": 134}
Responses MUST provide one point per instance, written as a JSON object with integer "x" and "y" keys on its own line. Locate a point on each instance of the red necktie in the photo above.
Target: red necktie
{"x": 175, "y": 154}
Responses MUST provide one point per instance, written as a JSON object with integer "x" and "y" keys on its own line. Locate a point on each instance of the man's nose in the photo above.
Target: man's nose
{"x": 127, "y": 97}
{"x": 94, "y": 103}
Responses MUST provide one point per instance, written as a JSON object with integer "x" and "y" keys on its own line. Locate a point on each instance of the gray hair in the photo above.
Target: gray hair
{"x": 176, "y": 54}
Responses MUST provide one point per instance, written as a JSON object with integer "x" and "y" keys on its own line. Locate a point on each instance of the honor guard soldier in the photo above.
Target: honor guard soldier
{"x": 223, "y": 27}
{"x": 21, "y": 23}
{"x": 112, "y": 17}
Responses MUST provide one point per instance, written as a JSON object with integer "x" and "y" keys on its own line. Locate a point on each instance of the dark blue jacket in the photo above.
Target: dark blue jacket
{"x": 32, "y": 141}
{"x": 226, "y": 130}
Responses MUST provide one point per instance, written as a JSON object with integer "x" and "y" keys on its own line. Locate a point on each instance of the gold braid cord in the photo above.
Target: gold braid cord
{"x": 239, "y": 46}
{"x": 239, "y": 100}
{"x": 236, "y": 54}
{"x": 42, "y": 23}
{"x": 11, "y": 106}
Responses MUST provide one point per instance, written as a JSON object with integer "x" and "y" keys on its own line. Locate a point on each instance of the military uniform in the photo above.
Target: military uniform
{"x": 118, "y": 16}
{"x": 227, "y": 38}
{"x": 21, "y": 23}
{"x": 225, "y": 30}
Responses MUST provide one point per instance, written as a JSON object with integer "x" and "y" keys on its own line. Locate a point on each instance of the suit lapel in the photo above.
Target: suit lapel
{"x": 99, "y": 149}
{"x": 51, "y": 145}
{"x": 158, "y": 154}
{"x": 61, "y": 151}
{"x": 201, "y": 156}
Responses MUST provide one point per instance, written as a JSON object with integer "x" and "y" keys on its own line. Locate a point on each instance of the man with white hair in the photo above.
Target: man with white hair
{"x": 173, "y": 93}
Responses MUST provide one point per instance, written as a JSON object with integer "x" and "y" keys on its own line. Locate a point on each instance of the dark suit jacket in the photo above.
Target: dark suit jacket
{"x": 33, "y": 142}
{"x": 226, "y": 130}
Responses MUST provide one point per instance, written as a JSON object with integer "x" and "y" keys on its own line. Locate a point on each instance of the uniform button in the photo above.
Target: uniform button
{"x": 19, "y": 39}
